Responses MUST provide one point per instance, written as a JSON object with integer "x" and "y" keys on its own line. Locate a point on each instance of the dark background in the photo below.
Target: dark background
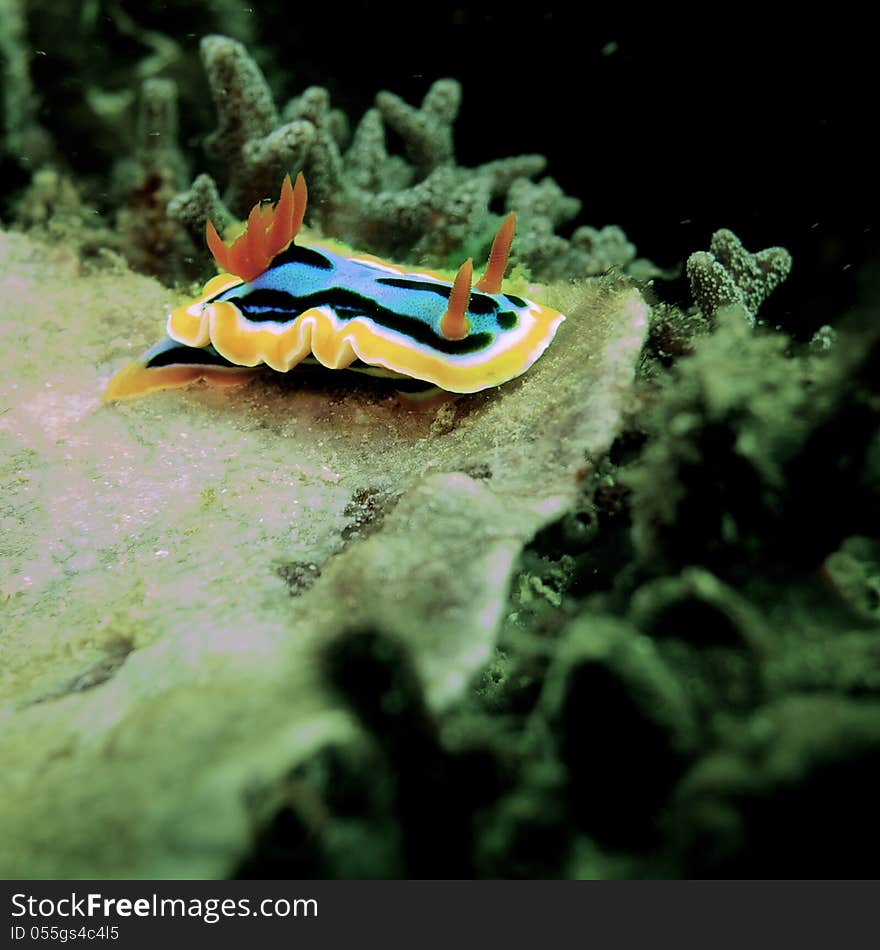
{"x": 670, "y": 127}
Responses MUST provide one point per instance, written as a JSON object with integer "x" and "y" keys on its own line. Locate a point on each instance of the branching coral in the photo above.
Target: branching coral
{"x": 427, "y": 131}
{"x": 542, "y": 207}
{"x": 728, "y": 275}
{"x": 249, "y": 140}
{"x": 737, "y": 412}
{"x": 422, "y": 205}
{"x": 24, "y": 139}
{"x": 408, "y": 199}
{"x": 148, "y": 180}
{"x": 604, "y": 667}
{"x": 755, "y": 455}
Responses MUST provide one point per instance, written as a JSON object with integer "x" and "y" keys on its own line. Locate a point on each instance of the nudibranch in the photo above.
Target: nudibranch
{"x": 277, "y": 303}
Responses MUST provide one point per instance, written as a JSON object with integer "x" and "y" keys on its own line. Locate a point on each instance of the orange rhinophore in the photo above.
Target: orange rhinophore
{"x": 454, "y": 323}
{"x": 490, "y": 282}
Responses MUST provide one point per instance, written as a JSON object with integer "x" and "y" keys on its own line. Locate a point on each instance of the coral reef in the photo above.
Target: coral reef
{"x": 572, "y": 627}
{"x": 248, "y": 141}
{"x": 146, "y": 181}
{"x": 24, "y": 139}
{"x": 751, "y": 425}
{"x": 605, "y": 668}
{"x": 727, "y": 280}
{"x": 541, "y": 208}
{"x": 422, "y": 206}
{"x": 174, "y": 568}
{"x": 85, "y": 65}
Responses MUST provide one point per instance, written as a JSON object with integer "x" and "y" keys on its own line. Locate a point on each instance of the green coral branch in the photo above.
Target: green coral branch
{"x": 420, "y": 205}
{"x": 729, "y": 276}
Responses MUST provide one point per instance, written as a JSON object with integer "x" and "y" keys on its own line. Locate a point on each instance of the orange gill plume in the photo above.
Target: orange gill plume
{"x": 269, "y": 230}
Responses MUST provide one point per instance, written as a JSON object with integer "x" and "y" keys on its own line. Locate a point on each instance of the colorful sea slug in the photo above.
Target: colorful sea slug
{"x": 280, "y": 303}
